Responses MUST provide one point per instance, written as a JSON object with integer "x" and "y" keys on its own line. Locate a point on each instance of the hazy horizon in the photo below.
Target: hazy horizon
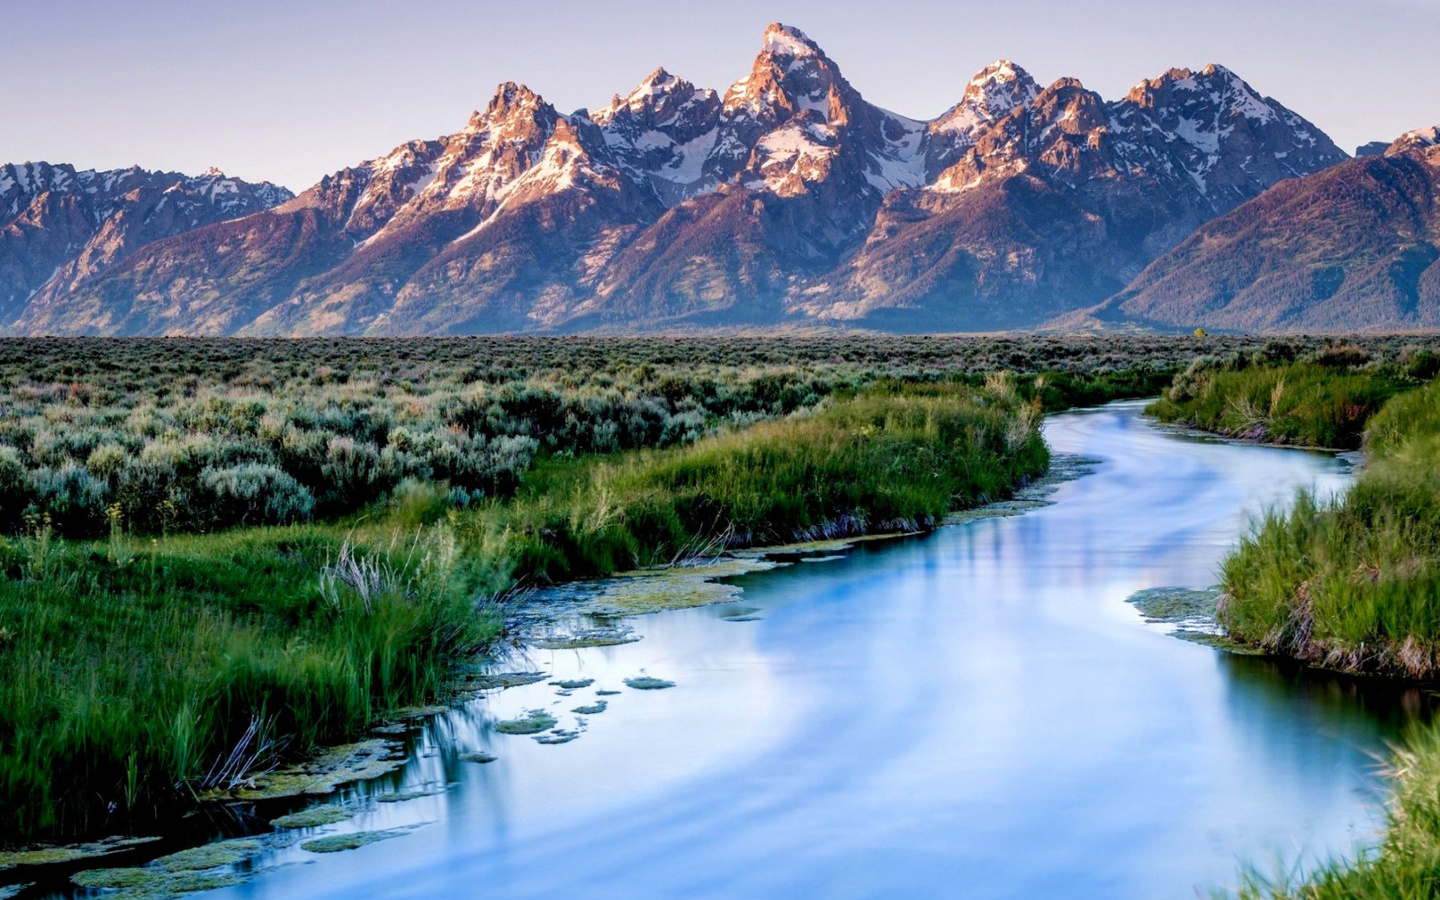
{"x": 289, "y": 92}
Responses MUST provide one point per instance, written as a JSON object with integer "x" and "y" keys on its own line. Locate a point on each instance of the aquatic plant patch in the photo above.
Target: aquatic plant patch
{"x": 338, "y": 843}
{"x": 314, "y": 817}
{"x": 533, "y": 722}
{"x": 647, "y": 683}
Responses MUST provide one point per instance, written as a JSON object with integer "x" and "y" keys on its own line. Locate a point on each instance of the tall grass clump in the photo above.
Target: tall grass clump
{"x": 1318, "y": 403}
{"x": 131, "y": 681}
{"x": 1353, "y": 583}
{"x": 897, "y": 459}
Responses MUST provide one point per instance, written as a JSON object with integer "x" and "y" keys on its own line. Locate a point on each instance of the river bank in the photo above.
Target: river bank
{"x": 147, "y": 717}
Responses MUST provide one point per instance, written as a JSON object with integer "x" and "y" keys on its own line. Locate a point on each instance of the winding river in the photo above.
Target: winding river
{"x": 978, "y": 713}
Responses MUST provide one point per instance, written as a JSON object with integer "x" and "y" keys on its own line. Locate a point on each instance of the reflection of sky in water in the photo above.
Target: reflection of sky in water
{"x": 974, "y": 714}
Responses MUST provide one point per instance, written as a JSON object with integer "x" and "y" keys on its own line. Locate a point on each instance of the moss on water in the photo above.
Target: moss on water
{"x": 477, "y": 757}
{"x": 43, "y": 856}
{"x": 1172, "y": 604}
{"x": 607, "y": 693}
{"x": 573, "y": 684}
{"x": 501, "y": 680}
{"x": 210, "y": 856}
{"x": 314, "y": 817}
{"x": 336, "y": 843}
{"x": 533, "y": 722}
{"x": 39, "y": 857}
{"x": 104, "y": 879}
{"x": 593, "y": 709}
{"x": 172, "y": 876}
{"x": 167, "y": 887}
{"x": 558, "y": 736}
{"x": 646, "y": 683}
{"x": 324, "y": 773}
{"x": 1218, "y": 641}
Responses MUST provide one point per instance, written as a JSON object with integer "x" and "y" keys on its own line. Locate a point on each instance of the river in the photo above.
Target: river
{"x": 977, "y": 713}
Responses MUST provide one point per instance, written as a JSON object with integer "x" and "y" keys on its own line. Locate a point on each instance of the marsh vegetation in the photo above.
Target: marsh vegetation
{"x": 220, "y": 555}
{"x": 224, "y": 554}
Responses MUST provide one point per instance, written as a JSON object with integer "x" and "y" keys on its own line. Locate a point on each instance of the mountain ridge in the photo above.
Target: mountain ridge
{"x": 786, "y": 198}
{"x": 1355, "y": 247}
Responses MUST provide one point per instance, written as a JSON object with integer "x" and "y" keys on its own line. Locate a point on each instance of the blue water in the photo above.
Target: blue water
{"x": 973, "y": 714}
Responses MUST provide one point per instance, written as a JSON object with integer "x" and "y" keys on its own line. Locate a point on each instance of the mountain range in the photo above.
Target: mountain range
{"x": 786, "y": 199}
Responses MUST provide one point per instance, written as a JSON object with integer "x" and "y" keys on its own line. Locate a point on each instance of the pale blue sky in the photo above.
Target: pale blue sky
{"x": 290, "y": 90}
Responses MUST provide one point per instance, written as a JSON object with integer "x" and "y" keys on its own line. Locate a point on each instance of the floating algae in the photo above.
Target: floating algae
{"x": 151, "y": 883}
{"x": 314, "y": 817}
{"x": 1063, "y": 467}
{"x": 646, "y": 683}
{"x": 502, "y": 680}
{"x": 338, "y": 842}
{"x": 1218, "y": 641}
{"x": 1193, "y": 615}
{"x": 42, "y": 856}
{"x": 1176, "y": 605}
{"x": 413, "y": 713}
{"x": 477, "y": 757}
{"x": 558, "y": 736}
{"x": 533, "y": 722}
{"x": 805, "y": 548}
{"x": 573, "y": 684}
{"x": 594, "y": 709}
{"x": 325, "y": 773}
{"x": 210, "y": 856}
{"x": 607, "y": 693}
{"x": 639, "y": 592}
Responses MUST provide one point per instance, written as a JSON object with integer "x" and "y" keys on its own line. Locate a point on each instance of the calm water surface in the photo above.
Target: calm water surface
{"x": 973, "y": 714}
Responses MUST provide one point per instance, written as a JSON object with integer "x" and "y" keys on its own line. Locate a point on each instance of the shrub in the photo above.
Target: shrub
{"x": 252, "y": 494}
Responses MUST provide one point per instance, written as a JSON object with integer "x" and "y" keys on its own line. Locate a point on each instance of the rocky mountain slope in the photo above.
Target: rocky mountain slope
{"x": 61, "y": 229}
{"x": 1356, "y": 247}
{"x": 787, "y": 197}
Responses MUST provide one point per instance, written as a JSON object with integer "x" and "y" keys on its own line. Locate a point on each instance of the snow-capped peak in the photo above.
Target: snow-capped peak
{"x": 659, "y": 90}
{"x": 1000, "y": 70}
{"x": 510, "y": 96}
{"x": 788, "y": 42}
{"x": 992, "y": 94}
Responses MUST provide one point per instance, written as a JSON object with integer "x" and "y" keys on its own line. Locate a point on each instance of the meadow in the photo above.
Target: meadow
{"x": 222, "y": 554}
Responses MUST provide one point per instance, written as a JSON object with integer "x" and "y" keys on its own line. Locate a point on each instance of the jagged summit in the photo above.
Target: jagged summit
{"x": 788, "y": 42}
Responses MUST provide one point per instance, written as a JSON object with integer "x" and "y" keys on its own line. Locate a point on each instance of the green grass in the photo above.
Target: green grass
{"x": 147, "y": 670}
{"x": 1353, "y": 584}
{"x": 898, "y": 459}
{"x": 1299, "y": 403}
{"x": 130, "y": 674}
